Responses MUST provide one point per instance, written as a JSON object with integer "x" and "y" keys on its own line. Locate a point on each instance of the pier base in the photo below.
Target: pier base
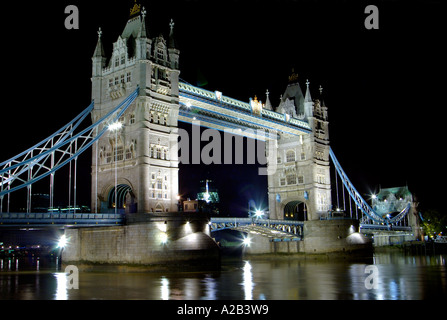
{"x": 319, "y": 237}
{"x": 146, "y": 241}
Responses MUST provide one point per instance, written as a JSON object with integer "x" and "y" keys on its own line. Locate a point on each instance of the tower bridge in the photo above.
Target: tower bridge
{"x": 138, "y": 100}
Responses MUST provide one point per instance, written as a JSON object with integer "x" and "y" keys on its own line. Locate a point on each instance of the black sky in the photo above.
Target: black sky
{"x": 382, "y": 87}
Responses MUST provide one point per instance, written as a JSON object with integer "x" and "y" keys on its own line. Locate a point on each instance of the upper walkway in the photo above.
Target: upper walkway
{"x": 219, "y": 112}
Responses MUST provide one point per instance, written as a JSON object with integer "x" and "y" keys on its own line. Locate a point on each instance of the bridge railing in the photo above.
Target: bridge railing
{"x": 288, "y": 226}
{"x": 22, "y": 218}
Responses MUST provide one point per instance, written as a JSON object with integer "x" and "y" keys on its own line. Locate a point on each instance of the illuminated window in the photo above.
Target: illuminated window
{"x": 160, "y": 53}
{"x": 290, "y": 156}
{"x": 300, "y": 179}
{"x": 132, "y": 119}
{"x": 129, "y": 153}
{"x": 320, "y": 178}
{"x": 291, "y": 179}
{"x": 119, "y": 153}
{"x": 108, "y": 157}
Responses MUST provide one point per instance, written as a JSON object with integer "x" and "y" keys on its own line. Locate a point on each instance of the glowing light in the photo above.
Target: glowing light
{"x": 259, "y": 213}
{"x": 248, "y": 281}
{"x": 373, "y": 196}
{"x": 162, "y": 226}
{"x": 164, "y": 238}
{"x": 115, "y": 126}
{"x": 246, "y": 241}
{"x": 62, "y": 241}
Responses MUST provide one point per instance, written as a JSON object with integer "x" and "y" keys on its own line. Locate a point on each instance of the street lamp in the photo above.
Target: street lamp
{"x": 259, "y": 213}
{"x": 115, "y": 127}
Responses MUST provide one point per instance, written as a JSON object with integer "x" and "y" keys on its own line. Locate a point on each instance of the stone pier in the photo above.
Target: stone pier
{"x": 146, "y": 241}
{"x": 319, "y": 237}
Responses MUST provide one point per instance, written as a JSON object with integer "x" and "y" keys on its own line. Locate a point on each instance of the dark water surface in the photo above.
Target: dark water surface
{"x": 393, "y": 276}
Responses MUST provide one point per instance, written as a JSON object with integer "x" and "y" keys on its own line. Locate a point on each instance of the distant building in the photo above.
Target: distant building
{"x": 391, "y": 200}
{"x": 208, "y": 194}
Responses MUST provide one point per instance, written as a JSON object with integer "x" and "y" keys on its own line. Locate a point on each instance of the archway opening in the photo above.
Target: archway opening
{"x": 122, "y": 190}
{"x": 295, "y": 210}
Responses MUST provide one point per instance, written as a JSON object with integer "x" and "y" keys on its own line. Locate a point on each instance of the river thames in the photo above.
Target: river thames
{"x": 396, "y": 277}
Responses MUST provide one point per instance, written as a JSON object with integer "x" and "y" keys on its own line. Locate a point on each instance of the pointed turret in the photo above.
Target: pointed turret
{"x": 171, "y": 40}
{"x": 268, "y": 104}
{"x": 98, "y": 63}
{"x": 323, "y": 108}
{"x": 308, "y": 104}
{"x": 174, "y": 53}
{"x": 142, "y": 41}
{"x": 99, "y": 50}
{"x": 99, "y": 57}
{"x": 143, "y": 33}
{"x": 307, "y": 98}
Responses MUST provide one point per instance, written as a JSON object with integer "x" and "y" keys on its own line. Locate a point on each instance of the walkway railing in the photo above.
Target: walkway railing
{"x": 59, "y": 219}
{"x": 286, "y": 226}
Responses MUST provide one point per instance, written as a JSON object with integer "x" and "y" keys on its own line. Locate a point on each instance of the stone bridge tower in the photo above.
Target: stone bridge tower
{"x": 300, "y": 188}
{"x": 142, "y": 150}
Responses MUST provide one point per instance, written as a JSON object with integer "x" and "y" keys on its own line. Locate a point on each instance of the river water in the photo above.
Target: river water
{"x": 387, "y": 276}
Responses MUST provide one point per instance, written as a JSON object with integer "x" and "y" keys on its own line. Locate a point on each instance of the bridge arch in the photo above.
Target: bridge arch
{"x": 125, "y": 198}
{"x": 295, "y": 210}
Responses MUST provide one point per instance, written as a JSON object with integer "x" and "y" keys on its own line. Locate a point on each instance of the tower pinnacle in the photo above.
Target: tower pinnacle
{"x": 307, "y": 98}
{"x": 135, "y": 10}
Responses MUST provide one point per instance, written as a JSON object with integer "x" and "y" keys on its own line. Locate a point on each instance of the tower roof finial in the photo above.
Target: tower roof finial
{"x": 293, "y": 77}
{"x": 136, "y": 9}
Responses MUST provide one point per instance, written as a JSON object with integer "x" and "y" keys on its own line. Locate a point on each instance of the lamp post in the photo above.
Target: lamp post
{"x": 115, "y": 127}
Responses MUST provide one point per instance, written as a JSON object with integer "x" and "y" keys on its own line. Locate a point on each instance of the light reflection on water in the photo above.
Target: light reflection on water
{"x": 399, "y": 277}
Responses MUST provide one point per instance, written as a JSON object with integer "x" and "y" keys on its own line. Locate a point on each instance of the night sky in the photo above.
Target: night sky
{"x": 382, "y": 87}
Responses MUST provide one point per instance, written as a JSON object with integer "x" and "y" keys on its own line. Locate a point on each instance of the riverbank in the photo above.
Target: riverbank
{"x": 415, "y": 248}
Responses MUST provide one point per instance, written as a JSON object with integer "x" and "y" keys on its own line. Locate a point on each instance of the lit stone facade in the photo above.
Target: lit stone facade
{"x": 300, "y": 188}
{"x": 143, "y": 151}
